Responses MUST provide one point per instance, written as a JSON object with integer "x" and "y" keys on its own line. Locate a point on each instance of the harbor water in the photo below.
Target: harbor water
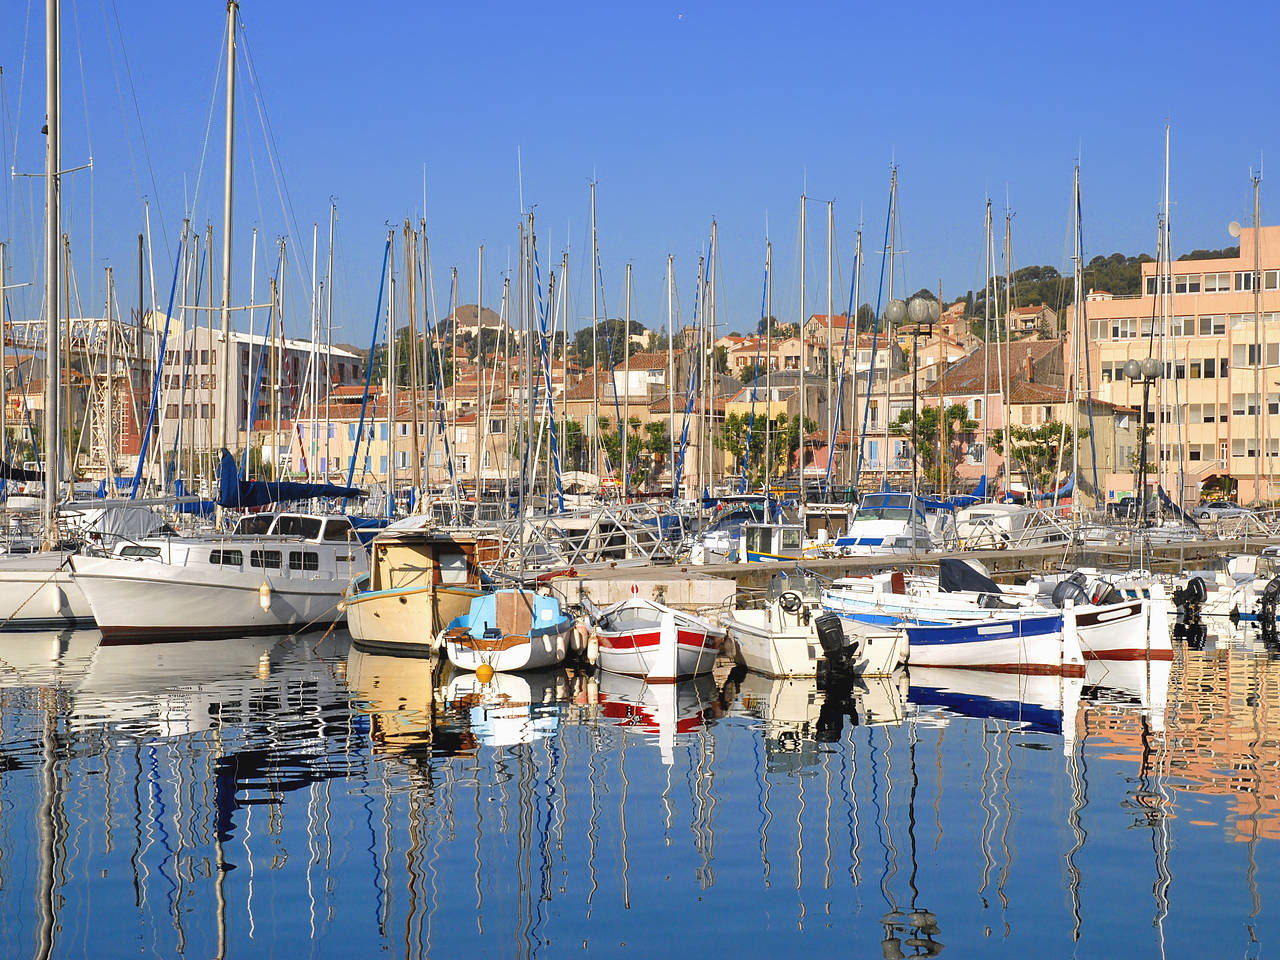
{"x": 298, "y": 797}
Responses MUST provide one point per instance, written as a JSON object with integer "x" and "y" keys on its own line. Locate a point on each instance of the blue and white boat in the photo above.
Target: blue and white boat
{"x": 508, "y": 630}
{"x": 1024, "y": 642}
{"x": 886, "y": 523}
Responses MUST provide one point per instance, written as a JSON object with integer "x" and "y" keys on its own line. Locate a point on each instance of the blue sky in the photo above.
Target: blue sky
{"x": 682, "y": 111}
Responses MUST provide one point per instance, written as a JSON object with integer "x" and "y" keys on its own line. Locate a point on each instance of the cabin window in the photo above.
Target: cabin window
{"x": 133, "y": 550}
{"x": 304, "y": 560}
{"x": 757, "y": 540}
{"x": 287, "y": 525}
{"x": 256, "y": 524}
{"x": 227, "y": 558}
{"x": 265, "y": 558}
{"x": 337, "y": 530}
{"x": 791, "y": 539}
{"x": 453, "y": 567}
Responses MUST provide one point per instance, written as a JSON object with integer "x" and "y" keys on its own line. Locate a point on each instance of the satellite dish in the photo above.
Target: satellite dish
{"x": 1233, "y": 228}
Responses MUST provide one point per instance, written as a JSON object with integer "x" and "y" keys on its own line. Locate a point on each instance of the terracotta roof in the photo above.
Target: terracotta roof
{"x": 646, "y": 361}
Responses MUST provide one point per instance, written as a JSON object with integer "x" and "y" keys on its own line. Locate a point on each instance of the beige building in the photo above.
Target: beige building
{"x": 1214, "y": 414}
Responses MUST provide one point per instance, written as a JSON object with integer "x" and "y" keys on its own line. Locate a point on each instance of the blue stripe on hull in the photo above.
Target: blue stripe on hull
{"x": 973, "y": 632}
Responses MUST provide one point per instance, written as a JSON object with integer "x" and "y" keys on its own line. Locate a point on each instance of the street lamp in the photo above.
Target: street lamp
{"x": 1148, "y": 370}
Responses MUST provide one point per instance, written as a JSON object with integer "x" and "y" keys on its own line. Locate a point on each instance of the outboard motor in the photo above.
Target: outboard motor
{"x": 1189, "y": 599}
{"x": 1070, "y": 589}
{"x": 1267, "y": 609}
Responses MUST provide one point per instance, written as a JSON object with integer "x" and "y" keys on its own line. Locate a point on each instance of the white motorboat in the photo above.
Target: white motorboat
{"x": 778, "y": 634}
{"x": 203, "y": 588}
{"x": 1024, "y": 642}
{"x": 643, "y": 638}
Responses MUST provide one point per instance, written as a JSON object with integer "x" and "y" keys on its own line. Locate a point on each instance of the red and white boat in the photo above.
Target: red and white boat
{"x": 643, "y": 638}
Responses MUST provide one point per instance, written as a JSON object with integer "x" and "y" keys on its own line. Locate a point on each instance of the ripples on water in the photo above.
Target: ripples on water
{"x": 296, "y": 796}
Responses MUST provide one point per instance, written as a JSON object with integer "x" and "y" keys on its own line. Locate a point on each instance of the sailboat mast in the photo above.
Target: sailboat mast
{"x": 831, "y": 407}
{"x": 986, "y": 345}
{"x": 671, "y": 376}
{"x": 626, "y": 376}
{"x": 479, "y": 362}
{"x": 768, "y": 367}
{"x": 595, "y": 322}
{"x": 52, "y": 189}
{"x": 328, "y": 343}
{"x": 224, "y": 375}
{"x": 4, "y": 336}
{"x": 1076, "y": 325}
{"x": 888, "y": 327}
{"x": 803, "y": 345}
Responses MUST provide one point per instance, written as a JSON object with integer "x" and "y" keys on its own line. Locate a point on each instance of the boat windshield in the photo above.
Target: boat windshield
{"x": 1267, "y": 567}
{"x": 882, "y": 513}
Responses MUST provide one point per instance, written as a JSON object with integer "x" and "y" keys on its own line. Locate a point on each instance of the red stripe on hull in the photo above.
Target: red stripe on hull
{"x": 1033, "y": 669}
{"x": 1129, "y": 655}
{"x": 628, "y": 641}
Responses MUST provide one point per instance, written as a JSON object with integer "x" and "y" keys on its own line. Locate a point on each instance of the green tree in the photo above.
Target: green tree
{"x": 610, "y": 343}
{"x": 1037, "y": 451}
{"x": 784, "y": 441}
{"x": 930, "y": 427}
{"x": 752, "y": 372}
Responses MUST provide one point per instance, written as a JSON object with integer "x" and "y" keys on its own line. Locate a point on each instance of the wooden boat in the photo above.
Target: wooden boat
{"x": 643, "y": 638}
{"x": 419, "y": 580}
{"x": 1024, "y": 643}
{"x": 507, "y": 630}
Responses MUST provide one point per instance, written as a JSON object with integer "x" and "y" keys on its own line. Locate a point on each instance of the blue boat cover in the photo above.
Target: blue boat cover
{"x": 234, "y": 492}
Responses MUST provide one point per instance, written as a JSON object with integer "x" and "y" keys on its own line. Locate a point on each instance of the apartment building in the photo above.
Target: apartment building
{"x": 1214, "y": 328}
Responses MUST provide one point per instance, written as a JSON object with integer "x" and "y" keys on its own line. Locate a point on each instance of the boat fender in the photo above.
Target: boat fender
{"x": 57, "y": 601}
{"x": 264, "y": 596}
{"x": 790, "y": 601}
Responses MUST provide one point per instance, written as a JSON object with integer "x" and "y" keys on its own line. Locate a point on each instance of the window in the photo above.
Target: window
{"x": 1186, "y": 283}
{"x": 1242, "y": 280}
{"x": 1213, "y": 325}
{"x": 1193, "y": 453}
{"x": 1273, "y": 354}
{"x": 977, "y": 409}
{"x": 1097, "y": 330}
{"x": 497, "y": 426}
{"x": 402, "y": 429}
{"x": 289, "y": 525}
{"x": 1217, "y": 282}
{"x": 382, "y": 463}
{"x": 337, "y": 530}
{"x": 204, "y": 356}
{"x": 1124, "y": 328}
{"x": 265, "y": 558}
{"x": 1181, "y": 326}
{"x": 1273, "y": 403}
{"x": 1151, "y": 285}
{"x": 138, "y": 552}
{"x": 975, "y": 453}
{"x": 351, "y": 432}
{"x": 304, "y": 560}
{"x": 171, "y": 411}
{"x": 227, "y": 558}
{"x": 402, "y": 458}
{"x": 382, "y": 431}
{"x": 1271, "y": 280}
{"x": 1195, "y": 369}
{"x": 1238, "y": 404}
{"x": 1237, "y": 448}
{"x": 437, "y": 459}
{"x": 1222, "y": 368}
{"x": 453, "y": 567}
{"x": 1026, "y": 416}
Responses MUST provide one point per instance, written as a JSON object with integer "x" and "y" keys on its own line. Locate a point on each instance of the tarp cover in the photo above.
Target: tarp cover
{"x": 956, "y": 574}
{"x": 234, "y": 492}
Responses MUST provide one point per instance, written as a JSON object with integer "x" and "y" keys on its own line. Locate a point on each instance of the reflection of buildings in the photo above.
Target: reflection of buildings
{"x": 1222, "y": 736}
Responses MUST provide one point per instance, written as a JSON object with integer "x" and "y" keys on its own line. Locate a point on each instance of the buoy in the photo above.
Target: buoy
{"x": 342, "y": 606}
{"x": 484, "y": 673}
{"x": 264, "y": 596}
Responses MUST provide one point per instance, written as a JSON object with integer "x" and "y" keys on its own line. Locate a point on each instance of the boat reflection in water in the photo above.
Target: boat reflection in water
{"x": 1034, "y": 701}
{"x": 241, "y": 797}
{"x": 664, "y": 712}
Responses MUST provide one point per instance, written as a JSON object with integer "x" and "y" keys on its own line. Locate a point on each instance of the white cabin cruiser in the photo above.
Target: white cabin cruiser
{"x": 291, "y": 575}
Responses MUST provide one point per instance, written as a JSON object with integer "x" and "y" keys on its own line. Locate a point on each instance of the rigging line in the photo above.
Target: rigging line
{"x": 88, "y": 137}
{"x": 208, "y": 129}
{"x": 142, "y": 132}
{"x": 273, "y": 152}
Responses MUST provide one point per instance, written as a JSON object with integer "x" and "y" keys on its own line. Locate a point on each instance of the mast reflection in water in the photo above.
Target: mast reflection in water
{"x": 295, "y": 795}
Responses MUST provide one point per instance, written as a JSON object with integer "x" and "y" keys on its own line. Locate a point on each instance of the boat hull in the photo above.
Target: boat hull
{"x": 406, "y": 620}
{"x": 140, "y": 601}
{"x": 39, "y": 592}
{"x": 1130, "y": 630}
{"x": 662, "y": 647}
{"x": 764, "y": 647}
{"x": 1027, "y": 644}
{"x": 542, "y": 648}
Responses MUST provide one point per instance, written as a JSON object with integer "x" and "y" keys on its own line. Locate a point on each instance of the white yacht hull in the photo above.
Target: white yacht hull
{"x": 793, "y": 649}
{"x": 136, "y": 601}
{"x": 39, "y": 592}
